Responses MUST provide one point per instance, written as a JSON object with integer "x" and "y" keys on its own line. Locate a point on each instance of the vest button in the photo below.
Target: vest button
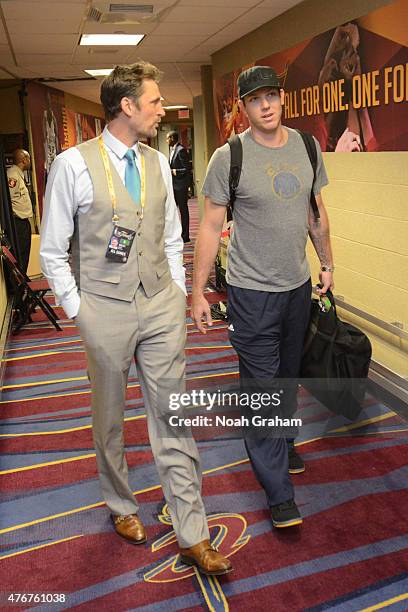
{"x": 139, "y": 233}
{"x": 140, "y": 253}
{"x": 137, "y": 213}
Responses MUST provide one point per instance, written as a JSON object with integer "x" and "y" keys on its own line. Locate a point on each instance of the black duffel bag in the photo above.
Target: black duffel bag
{"x": 336, "y": 359}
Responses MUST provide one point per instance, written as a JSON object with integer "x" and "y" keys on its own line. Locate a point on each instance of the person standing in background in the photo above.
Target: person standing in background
{"x": 21, "y": 204}
{"x": 181, "y": 173}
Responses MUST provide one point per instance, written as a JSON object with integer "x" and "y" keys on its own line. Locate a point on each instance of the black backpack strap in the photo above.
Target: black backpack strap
{"x": 235, "y": 145}
{"x": 310, "y": 145}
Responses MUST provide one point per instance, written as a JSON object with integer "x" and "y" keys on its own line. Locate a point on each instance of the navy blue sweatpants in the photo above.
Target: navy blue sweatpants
{"x": 267, "y": 330}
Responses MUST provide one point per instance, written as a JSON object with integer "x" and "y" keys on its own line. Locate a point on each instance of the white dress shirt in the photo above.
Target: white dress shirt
{"x": 70, "y": 191}
{"x": 172, "y": 151}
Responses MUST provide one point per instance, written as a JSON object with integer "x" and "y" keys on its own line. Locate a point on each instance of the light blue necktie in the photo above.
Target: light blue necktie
{"x": 132, "y": 177}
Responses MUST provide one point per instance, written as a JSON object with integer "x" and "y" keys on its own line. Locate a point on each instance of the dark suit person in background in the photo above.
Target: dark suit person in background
{"x": 181, "y": 173}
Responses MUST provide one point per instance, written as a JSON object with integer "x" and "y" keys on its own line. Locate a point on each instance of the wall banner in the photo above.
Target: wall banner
{"x": 54, "y": 128}
{"x": 350, "y": 79}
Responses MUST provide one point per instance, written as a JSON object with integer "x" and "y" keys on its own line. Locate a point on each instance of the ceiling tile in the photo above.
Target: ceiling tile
{"x": 185, "y": 28}
{"x": 234, "y": 31}
{"x": 218, "y": 3}
{"x": 6, "y": 59}
{"x": 55, "y": 72}
{"x": 176, "y": 56}
{"x": 151, "y": 55}
{"x": 256, "y": 17}
{"x": 37, "y": 12}
{"x": 38, "y": 43}
{"x": 92, "y": 27}
{"x": 169, "y": 69}
{"x": 197, "y": 55}
{"x": 20, "y": 72}
{"x": 280, "y": 6}
{"x": 158, "y": 5}
{"x": 190, "y": 72}
{"x": 98, "y": 56}
{"x": 44, "y": 59}
{"x": 61, "y": 26}
{"x": 5, "y": 75}
{"x": 223, "y": 14}
{"x": 222, "y": 39}
{"x": 45, "y": 36}
{"x": 3, "y": 37}
{"x": 170, "y": 41}
{"x": 152, "y": 50}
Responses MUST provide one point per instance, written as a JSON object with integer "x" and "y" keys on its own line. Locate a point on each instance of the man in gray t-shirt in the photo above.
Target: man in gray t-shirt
{"x": 271, "y": 211}
{"x": 268, "y": 275}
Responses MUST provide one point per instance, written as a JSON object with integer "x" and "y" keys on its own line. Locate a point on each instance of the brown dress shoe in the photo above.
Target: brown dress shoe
{"x": 206, "y": 558}
{"x": 130, "y": 528}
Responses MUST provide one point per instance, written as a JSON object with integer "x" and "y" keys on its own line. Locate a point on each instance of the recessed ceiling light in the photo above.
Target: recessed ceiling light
{"x": 99, "y": 72}
{"x": 111, "y": 39}
{"x": 175, "y": 107}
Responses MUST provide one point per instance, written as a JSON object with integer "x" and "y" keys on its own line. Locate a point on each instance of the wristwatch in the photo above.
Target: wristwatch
{"x": 327, "y": 268}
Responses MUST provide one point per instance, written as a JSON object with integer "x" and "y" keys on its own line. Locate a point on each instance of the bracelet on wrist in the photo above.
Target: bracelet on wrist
{"x": 327, "y": 268}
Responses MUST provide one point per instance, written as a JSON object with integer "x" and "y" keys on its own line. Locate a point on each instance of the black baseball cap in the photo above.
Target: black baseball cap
{"x": 255, "y": 78}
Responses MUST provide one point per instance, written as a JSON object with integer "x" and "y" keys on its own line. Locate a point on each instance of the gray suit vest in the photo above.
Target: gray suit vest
{"x": 147, "y": 263}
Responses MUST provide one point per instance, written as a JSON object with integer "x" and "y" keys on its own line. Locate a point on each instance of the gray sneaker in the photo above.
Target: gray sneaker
{"x": 286, "y": 514}
{"x": 296, "y": 463}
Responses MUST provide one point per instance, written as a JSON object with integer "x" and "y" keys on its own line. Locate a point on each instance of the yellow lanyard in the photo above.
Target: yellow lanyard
{"x": 112, "y": 194}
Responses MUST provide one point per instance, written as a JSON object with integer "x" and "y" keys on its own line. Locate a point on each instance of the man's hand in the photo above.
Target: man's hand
{"x": 200, "y": 309}
{"x": 348, "y": 142}
{"x": 326, "y": 280}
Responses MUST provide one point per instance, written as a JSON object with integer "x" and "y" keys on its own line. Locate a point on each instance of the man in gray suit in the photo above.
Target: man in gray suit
{"x": 112, "y": 199}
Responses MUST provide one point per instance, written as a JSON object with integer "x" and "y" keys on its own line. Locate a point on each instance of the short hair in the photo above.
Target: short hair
{"x": 19, "y": 155}
{"x": 126, "y": 81}
{"x": 173, "y": 134}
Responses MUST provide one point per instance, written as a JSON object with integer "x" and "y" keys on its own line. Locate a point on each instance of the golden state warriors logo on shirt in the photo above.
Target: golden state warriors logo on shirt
{"x": 285, "y": 184}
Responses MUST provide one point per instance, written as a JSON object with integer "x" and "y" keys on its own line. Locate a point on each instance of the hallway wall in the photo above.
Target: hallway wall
{"x": 11, "y": 122}
{"x": 11, "y": 116}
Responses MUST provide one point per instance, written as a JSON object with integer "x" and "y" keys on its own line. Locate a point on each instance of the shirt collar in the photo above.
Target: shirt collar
{"x": 19, "y": 170}
{"x": 116, "y": 145}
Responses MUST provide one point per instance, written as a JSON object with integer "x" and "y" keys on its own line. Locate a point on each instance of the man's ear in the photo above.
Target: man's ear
{"x": 126, "y": 106}
{"x": 242, "y": 107}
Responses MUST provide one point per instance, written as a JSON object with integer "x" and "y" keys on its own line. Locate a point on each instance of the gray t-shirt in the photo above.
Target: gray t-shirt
{"x": 267, "y": 248}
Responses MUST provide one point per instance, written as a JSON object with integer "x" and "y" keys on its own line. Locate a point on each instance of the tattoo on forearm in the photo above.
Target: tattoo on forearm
{"x": 320, "y": 237}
